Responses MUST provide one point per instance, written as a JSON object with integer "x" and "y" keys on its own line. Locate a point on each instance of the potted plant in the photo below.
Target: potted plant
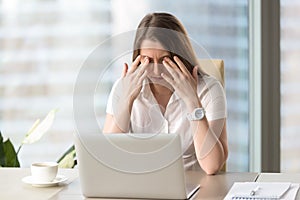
{"x": 9, "y": 157}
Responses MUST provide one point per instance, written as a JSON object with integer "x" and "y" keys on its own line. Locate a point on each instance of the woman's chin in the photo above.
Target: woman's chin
{"x": 159, "y": 81}
{"x": 154, "y": 79}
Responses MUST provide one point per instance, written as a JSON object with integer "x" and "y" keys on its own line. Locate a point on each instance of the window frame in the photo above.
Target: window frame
{"x": 264, "y": 84}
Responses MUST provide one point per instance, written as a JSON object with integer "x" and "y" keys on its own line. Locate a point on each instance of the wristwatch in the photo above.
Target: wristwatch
{"x": 197, "y": 114}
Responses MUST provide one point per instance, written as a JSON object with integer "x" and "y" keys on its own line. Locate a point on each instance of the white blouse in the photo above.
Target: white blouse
{"x": 146, "y": 116}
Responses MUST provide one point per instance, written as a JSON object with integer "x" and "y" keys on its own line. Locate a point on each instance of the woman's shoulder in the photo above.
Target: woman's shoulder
{"x": 117, "y": 86}
{"x": 207, "y": 81}
{"x": 209, "y": 87}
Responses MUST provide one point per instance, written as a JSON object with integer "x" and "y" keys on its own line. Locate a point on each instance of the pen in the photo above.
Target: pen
{"x": 253, "y": 192}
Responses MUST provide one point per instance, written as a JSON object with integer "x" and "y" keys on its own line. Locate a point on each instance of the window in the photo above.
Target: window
{"x": 44, "y": 43}
{"x": 290, "y": 84}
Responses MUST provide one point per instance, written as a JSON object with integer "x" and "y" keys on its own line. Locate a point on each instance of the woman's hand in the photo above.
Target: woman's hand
{"x": 131, "y": 84}
{"x": 182, "y": 81}
{"x": 132, "y": 80}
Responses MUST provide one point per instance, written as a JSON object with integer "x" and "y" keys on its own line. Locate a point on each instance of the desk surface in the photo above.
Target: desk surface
{"x": 217, "y": 186}
{"x": 12, "y": 187}
{"x": 212, "y": 187}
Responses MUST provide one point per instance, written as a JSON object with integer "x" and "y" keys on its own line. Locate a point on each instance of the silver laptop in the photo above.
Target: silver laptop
{"x": 132, "y": 166}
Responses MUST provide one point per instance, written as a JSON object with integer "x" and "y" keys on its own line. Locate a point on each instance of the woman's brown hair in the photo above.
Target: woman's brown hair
{"x": 170, "y": 33}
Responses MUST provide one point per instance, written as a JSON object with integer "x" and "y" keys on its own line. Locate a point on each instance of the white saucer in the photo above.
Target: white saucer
{"x": 56, "y": 181}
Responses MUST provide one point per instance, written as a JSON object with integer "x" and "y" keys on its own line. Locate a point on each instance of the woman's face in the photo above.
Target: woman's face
{"x": 155, "y": 52}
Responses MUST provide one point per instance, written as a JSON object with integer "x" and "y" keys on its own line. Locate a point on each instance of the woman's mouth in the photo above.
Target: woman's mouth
{"x": 156, "y": 78}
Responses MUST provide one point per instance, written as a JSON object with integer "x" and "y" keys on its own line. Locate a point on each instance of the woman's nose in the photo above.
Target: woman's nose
{"x": 156, "y": 68}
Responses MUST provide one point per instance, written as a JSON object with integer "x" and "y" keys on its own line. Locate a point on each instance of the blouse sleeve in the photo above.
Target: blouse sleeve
{"x": 114, "y": 97}
{"x": 213, "y": 99}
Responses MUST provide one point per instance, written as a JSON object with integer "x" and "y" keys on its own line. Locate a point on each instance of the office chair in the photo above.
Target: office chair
{"x": 215, "y": 68}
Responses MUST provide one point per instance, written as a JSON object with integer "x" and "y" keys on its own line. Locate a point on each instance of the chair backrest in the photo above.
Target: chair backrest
{"x": 215, "y": 68}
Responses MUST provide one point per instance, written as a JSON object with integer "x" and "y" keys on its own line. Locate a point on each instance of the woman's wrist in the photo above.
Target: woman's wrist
{"x": 192, "y": 104}
{"x": 129, "y": 104}
{"x": 122, "y": 115}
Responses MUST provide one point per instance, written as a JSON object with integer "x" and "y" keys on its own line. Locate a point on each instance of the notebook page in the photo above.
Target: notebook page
{"x": 292, "y": 192}
{"x": 270, "y": 190}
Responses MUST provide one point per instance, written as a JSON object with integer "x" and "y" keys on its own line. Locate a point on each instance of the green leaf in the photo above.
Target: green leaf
{"x": 66, "y": 153}
{"x": 67, "y": 159}
{"x": 11, "y": 158}
{"x": 39, "y": 129}
{"x": 2, "y": 153}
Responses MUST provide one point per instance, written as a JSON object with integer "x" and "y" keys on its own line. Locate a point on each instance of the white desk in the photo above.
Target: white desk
{"x": 280, "y": 177}
{"x": 212, "y": 187}
{"x": 12, "y": 187}
{"x": 217, "y": 186}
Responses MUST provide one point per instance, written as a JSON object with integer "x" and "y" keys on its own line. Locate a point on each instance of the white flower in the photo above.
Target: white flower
{"x": 39, "y": 129}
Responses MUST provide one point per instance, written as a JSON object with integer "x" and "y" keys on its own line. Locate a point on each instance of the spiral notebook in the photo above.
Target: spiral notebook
{"x": 262, "y": 190}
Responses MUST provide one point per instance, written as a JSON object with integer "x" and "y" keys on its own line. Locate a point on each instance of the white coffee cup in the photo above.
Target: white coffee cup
{"x": 44, "y": 171}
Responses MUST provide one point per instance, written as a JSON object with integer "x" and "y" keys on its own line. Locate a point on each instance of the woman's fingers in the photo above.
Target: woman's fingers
{"x": 172, "y": 64}
{"x": 135, "y": 64}
{"x": 181, "y": 66}
{"x": 143, "y": 67}
{"x": 136, "y": 74}
{"x": 168, "y": 79}
{"x": 195, "y": 73}
{"x": 125, "y": 69}
{"x": 174, "y": 71}
{"x": 142, "y": 77}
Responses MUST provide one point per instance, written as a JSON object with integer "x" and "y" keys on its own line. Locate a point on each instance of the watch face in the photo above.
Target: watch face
{"x": 199, "y": 113}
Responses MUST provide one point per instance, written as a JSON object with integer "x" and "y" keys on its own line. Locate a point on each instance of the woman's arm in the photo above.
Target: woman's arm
{"x": 131, "y": 84}
{"x": 110, "y": 126}
{"x": 210, "y": 140}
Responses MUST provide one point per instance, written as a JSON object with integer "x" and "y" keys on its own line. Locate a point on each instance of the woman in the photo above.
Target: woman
{"x": 165, "y": 92}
